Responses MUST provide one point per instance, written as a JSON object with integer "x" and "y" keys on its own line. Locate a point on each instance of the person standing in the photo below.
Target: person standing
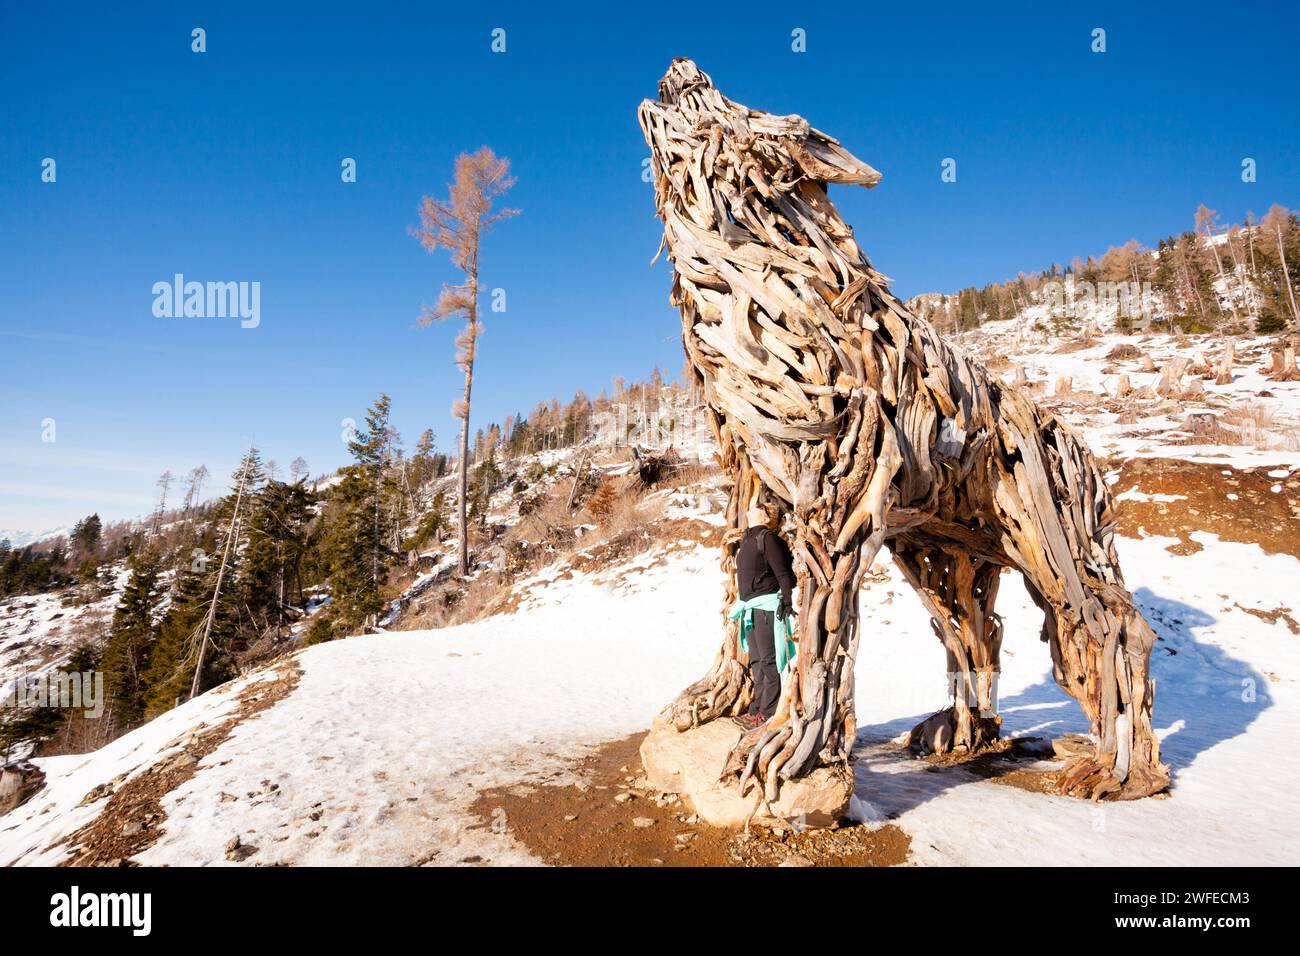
{"x": 764, "y": 582}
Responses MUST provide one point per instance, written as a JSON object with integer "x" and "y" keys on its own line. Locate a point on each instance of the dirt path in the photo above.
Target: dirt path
{"x": 602, "y": 821}
{"x": 133, "y": 819}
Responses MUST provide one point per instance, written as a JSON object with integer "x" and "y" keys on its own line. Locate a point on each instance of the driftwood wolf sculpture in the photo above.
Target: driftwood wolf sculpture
{"x": 831, "y": 400}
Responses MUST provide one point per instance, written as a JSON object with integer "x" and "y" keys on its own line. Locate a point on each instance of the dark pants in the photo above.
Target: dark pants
{"x": 762, "y": 664}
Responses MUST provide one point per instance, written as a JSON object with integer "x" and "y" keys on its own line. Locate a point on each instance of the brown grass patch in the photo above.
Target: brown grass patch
{"x": 1076, "y": 345}
{"x": 459, "y": 601}
{"x": 1253, "y": 423}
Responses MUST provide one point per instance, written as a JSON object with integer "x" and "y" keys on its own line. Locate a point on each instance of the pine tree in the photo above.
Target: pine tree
{"x": 423, "y": 470}
{"x": 487, "y": 479}
{"x": 170, "y": 672}
{"x": 35, "y": 725}
{"x": 27, "y": 570}
{"x": 126, "y": 655}
{"x": 372, "y": 449}
{"x": 270, "y": 566}
{"x": 85, "y": 535}
{"x": 350, "y": 545}
{"x": 432, "y": 523}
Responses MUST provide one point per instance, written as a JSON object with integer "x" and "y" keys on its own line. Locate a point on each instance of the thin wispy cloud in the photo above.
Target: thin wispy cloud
{"x": 85, "y": 495}
{"x": 44, "y": 456}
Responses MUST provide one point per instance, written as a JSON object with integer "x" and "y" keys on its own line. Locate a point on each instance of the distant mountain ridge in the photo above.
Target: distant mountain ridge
{"x": 21, "y": 539}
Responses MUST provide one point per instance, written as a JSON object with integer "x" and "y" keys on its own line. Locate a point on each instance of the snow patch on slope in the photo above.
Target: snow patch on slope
{"x": 387, "y": 738}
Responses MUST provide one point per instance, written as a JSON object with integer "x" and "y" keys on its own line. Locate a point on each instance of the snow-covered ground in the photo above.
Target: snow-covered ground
{"x": 1227, "y": 703}
{"x": 377, "y": 753}
{"x": 37, "y": 631}
{"x": 388, "y": 737}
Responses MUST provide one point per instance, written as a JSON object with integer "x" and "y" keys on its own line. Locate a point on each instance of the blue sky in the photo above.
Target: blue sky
{"x": 224, "y": 166}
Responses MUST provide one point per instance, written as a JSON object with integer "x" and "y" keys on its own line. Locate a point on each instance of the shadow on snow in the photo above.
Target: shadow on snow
{"x": 1204, "y": 697}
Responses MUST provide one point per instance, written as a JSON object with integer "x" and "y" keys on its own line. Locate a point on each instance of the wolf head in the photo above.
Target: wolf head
{"x": 692, "y": 107}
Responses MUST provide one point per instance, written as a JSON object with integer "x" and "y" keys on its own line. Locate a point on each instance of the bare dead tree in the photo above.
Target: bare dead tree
{"x": 231, "y": 534}
{"x": 458, "y": 224}
{"x": 194, "y": 487}
{"x": 163, "y": 485}
{"x": 1273, "y": 222}
{"x": 1207, "y": 220}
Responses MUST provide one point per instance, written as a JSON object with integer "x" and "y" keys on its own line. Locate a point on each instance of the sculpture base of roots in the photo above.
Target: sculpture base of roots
{"x": 763, "y": 758}
{"x": 950, "y": 732}
{"x": 1107, "y": 673}
{"x": 726, "y": 691}
{"x": 1092, "y": 778}
{"x": 1088, "y": 777}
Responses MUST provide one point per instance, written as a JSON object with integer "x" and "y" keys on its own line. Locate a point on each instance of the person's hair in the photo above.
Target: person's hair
{"x": 771, "y": 514}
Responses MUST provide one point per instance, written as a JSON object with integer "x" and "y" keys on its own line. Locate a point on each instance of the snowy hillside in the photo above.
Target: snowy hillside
{"x": 37, "y": 631}
{"x": 1080, "y": 377}
{"x": 374, "y": 754}
{"x": 372, "y": 749}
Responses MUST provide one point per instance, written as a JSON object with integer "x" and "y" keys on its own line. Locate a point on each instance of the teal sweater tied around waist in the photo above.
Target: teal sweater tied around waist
{"x": 783, "y": 626}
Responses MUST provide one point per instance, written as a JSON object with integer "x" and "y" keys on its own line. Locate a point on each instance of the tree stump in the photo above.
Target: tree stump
{"x": 1170, "y": 384}
{"x": 1205, "y": 427}
{"x": 1284, "y": 366}
{"x": 649, "y": 468}
{"x": 1223, "y": 368}
{"x": 19, "y": 781}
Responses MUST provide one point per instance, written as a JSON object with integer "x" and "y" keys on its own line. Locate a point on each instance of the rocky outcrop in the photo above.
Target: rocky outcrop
{"x": 18, "y": 782}
{"x": 690, "y": 763}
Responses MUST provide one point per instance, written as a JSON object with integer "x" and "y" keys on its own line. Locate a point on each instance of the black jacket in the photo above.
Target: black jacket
{"x": 763, "y": 565}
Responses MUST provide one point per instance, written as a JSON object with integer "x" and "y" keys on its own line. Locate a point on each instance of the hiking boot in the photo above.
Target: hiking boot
{"x": 751, "y": 721}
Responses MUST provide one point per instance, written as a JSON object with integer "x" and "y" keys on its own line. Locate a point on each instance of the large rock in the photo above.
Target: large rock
{"x": 689, "y": 764}
{"x": 19, "y": 781}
